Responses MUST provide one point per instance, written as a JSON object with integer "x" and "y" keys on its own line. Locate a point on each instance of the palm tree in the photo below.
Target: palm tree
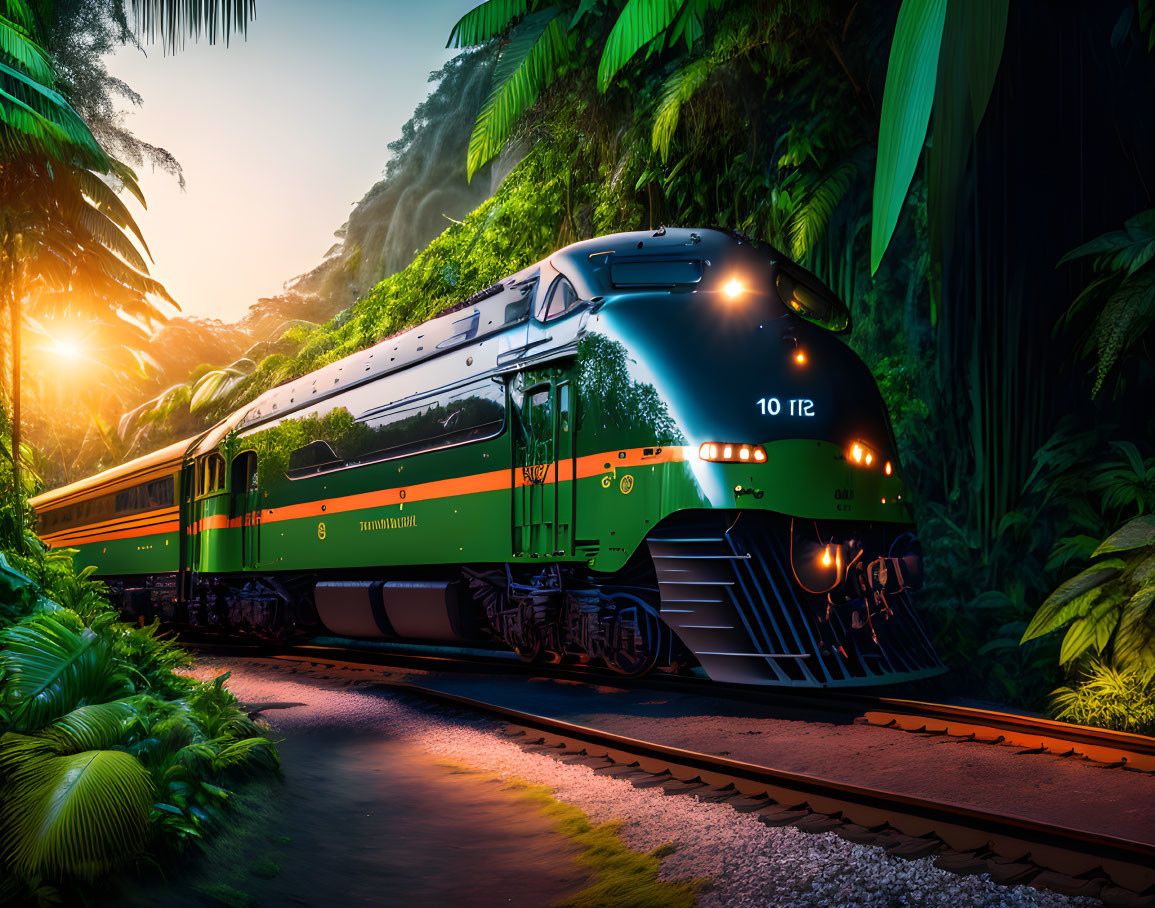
{"x": 62, "y": 228}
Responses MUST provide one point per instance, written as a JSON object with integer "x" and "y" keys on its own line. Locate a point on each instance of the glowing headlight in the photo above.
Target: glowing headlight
{"x": 724, "y": 452}
{"x": 732, "y": 289}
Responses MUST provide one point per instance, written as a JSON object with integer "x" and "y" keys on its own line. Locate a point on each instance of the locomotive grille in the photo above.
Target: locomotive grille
{"x": 728, "y": 591}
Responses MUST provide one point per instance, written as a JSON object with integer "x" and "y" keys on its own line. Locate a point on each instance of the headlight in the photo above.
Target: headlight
{"x": 730, "y": 452}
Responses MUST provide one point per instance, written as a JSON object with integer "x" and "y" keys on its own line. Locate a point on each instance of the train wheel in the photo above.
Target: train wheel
{"x": 640, "y": 639}
{"x": 532, "y": 644}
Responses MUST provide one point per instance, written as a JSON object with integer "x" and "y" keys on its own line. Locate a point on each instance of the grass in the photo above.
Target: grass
{"x": 623, "y": 878}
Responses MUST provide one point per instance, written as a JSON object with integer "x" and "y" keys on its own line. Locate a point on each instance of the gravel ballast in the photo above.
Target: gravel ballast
{"x": 748, "y": 862}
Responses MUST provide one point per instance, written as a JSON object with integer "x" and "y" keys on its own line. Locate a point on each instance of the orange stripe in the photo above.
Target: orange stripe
{"x": 149, "y": 519}
{"x": 172, "y": 526}
{"x": 493, "y": 481}
{"x": 155, "y": 514}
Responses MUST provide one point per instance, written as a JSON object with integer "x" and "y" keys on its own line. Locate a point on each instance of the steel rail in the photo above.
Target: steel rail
{"x": 1101, "y": 745}
{"x": 1070, "y": 851}
{"x": 1065, "y": 850}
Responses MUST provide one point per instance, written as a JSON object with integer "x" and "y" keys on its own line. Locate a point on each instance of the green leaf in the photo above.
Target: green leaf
{"x": 1080, "y": 635}
{"x": 50, "y": 668}
{"x": 1135, "y": 534}
{"x": 1127, "y": 314}
{"x": 1135, "y": 641}
{"x": 906, "y": 103}
{"x": 80, "y": 815}
{"x": 96, "y": 726}
{"x": 1073, "y": 599}
{"x": 526, "y": 66}
{"x": 17, "y": 45}
{"x": 637, "y": 25}
{"x": 677, "y": 90}
{"x": 969, "y": 57}
{"x": 486, "y": 20}
{"x": 812, "y": 217}
{"x": 36, "y": 119}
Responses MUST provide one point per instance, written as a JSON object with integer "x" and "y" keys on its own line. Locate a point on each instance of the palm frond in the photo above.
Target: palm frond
{"x": 97, "y": 726}
{"x": 811, "y": 218}
{"x": 170, "y": 21}
{"x": 18, "y": 49}
{"x": 639, "y": 23}
{"x": 487, "y": 20}
{"x": 79, "y": 815}
{"x": 35, "y": 118}
{"x": 110, "y": 205}
{"x": 677, "y": 90}
{"x": 51, "y": 665}
{"x": 526, "y": 65}
{"x": 215, "y": 386}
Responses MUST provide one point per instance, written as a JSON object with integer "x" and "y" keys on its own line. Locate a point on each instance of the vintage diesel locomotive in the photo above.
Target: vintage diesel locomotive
{"x": 648, "y": 450}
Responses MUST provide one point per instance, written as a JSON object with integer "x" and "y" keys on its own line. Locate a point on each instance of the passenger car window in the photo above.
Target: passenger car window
{"x": 563, "y": 298}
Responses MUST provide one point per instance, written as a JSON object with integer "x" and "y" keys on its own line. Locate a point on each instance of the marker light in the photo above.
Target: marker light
{"x": 800, "y": 358}
{"x": 732, "y": 288}
{"x": 888, "y": 469}
{"x": 731, "y": 453}
{"x": 862, "y": 456}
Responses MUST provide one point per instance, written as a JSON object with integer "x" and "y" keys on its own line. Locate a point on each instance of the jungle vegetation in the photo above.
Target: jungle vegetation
{"x": 973, "y": 178}
{"x": 108, "y": 756}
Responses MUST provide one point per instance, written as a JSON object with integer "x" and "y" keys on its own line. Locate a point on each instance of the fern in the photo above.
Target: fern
{"x": 677, "y": 90}
{"x": 526, "y": 65}
{"x": 811, "y": 218}
{"x": 1127, "y": 314}
{"x": 1124, "y": 290}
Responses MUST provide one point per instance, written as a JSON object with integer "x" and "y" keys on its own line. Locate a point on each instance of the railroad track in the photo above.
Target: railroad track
{"x": 1030, "y": 733}
{"x": 1012, "y": 849}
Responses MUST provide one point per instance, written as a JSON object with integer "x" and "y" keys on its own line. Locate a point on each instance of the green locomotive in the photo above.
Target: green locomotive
{"x": 649, "y": 449}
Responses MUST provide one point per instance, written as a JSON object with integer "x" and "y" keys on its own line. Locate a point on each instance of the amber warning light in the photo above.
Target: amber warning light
{"x": 861, "y": 456}
{"x": 727, "y": 452}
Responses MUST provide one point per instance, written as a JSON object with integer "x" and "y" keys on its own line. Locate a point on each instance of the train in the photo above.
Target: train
{"x": 650, "y": 451}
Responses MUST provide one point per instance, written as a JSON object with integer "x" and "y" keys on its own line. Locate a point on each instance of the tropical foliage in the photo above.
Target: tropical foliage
{"x": 106, "y": 754}
{"x": 1122, "y": 699}
{"x": 1111, "y": 604}
{"x": 923, "y": 160}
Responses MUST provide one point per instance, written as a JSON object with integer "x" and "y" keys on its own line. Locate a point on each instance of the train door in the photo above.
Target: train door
{"x": 210, "y": 484}
{"x": 247, "y": 507}
{"x": 543, "y": 465}
{"x": 189, "y": 551}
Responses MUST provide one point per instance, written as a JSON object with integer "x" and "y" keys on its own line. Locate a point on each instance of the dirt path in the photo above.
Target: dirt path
{"x": 365, "y": 819}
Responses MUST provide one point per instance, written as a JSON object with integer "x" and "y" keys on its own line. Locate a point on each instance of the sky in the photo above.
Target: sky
{"x": 279, "y": 134}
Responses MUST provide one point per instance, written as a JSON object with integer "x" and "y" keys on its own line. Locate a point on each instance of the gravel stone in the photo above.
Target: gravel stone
{"x": 748, "y": 863}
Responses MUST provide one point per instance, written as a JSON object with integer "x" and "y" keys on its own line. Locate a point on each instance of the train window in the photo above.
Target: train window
{"x": 469, "y": 414}
{"x": 210, "y": 474}
{"x": 313, "y": 457}
{"x": 147, "y": 496}
{"x": 563, "y": 299}
{"x": 655, "y": 273}
{"x": 810, "y": 298}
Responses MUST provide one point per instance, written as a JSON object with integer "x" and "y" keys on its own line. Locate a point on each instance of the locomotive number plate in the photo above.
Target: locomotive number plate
{"x": 795, "y": 406}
